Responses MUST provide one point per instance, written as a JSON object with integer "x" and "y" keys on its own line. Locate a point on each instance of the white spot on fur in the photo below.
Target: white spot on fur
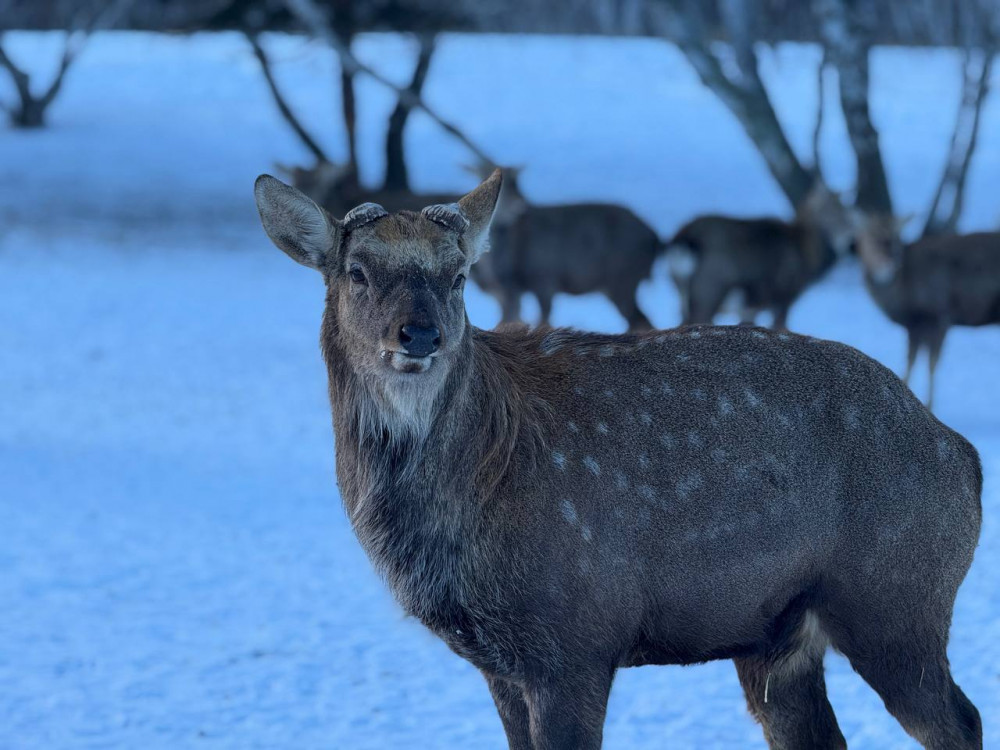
{"x": 585, "y": 533}
{"x": 571, "y": 426}
{"x": 725, "y": 406}
{"x": 609, "y": 393}
{"x": 592, "y": 465}
{"x": 758, "y": 334}
{"x": 718, "y": 455}
{"x": 646, "y": 492}
{"x": 688, "y": 484}
{"x": 569, "y": 512}
{"x": 667, "y": 389}
{"x": 661, "y": 338}
{"x": 643, "y": 461}
{"x": 695, "y": 440}
{"x": 752, "y": 398}
{"x": 646, "y": 418}
{"x": 621, "y": 483}
{"x": 699, "y": 394}
{"x": 646, "y": 391}
{"x": 852, "y": 416}
{"x": 668, "y": 441}
{"x": 784, "y": 337}
{"x": 695, "y": 334}
{"x": 559, "y": 459}
{"x": 607, "y": 350}
{"x": 602, "y": 428}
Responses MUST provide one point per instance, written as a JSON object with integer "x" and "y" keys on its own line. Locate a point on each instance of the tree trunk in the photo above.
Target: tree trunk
{"x": 949, "y": 200}
{"x": 396, "y": 174}
{"x": 742, "y": 91}
{"x": 348, "y": 103}
{"x": 848, "y": 44}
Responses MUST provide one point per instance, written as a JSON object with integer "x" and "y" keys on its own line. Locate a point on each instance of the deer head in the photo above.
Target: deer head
{"x": 880, "y": 246}
{"x": 827, "y": 211}
{"x": 395, "y": 306}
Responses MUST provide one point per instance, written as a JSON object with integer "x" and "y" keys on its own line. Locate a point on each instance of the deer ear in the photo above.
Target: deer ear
{"x": 478, "y": 207}
{"x": 303, "y": 230}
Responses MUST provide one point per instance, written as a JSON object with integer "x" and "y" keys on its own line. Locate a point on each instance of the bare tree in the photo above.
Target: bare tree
{"x": 396, "y": 174}
{"x": 30, "y": 108}
{"x": 820, "y": 113}
{"x": 977, "y": 67}
{"x": 321, "y": 25}
{"x": 737, "y": 83}
{"x": 847, "y": 42}
{"x": 279, "y": 99}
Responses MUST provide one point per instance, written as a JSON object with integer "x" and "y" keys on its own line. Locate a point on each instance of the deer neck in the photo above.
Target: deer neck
{"x": 413, "y": 494}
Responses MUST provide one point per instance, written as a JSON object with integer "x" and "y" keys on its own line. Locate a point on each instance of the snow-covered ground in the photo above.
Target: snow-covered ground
{"x": 175, "y": 567}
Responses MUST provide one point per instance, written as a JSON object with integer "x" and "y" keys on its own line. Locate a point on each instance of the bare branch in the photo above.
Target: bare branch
{"x": 949, "y": 199}
{"x": 396, "y": 176}
{"x": 742, "y": 92}
{"x": 848, "y": 44}
{"x": 318, "y": 23}
{"x": 279, "y": 99}
{"x": 820, "y": 113}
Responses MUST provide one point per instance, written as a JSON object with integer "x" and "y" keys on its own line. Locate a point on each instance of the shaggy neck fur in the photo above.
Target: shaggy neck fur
{"x": 418, "y": 490}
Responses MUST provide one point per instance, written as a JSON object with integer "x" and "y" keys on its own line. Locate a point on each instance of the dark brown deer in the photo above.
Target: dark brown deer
{"x": 931, "y": 285}
{"x": 766, "y": 263}
{"x": 556, "y": 505}
{"x": 575, "y": 248}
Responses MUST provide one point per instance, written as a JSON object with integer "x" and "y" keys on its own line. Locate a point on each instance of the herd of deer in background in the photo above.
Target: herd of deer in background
{"x": 718, "y": 263}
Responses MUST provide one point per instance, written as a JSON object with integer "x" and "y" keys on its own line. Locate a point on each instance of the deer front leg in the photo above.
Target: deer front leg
{"x": 513, "y": 711}
{"x": 567, "y": 713}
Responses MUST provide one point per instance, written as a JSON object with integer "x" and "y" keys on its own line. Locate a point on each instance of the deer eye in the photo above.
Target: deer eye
{"x": 358, "y": 276}
{"x": 458, "y": 282}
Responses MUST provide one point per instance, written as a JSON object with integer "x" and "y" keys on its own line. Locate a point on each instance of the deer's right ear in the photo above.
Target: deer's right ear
{"x": 300, "y": 228}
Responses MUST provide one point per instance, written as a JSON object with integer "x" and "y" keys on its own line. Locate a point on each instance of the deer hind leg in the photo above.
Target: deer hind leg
{"x": 706, "y": 296}
{"x": 913, "y": 344}
{"x": 510, "y": 305}
{"x": 545, "y": 306}
{"x": 787, "y": 695}
{"x": 909, "y": 670}
{"x": 935, "y": 341}
{"x": 624, "y": 300}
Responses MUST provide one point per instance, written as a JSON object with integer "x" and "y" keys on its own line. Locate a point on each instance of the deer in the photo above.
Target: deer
{"x": 767, "y": 263}
{"x": 556, "y": 505}
{"x": 575, "y": 248}
{"x": 930, "y": 285}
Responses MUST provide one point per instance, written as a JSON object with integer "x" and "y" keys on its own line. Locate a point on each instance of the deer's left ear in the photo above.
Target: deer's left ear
{"x": 478, "y": 207}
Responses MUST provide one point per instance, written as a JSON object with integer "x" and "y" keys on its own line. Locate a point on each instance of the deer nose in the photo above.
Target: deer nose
{"x": 419, "y": 341}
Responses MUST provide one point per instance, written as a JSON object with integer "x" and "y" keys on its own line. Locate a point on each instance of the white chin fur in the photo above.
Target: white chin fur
{"x": 405, "y": 364}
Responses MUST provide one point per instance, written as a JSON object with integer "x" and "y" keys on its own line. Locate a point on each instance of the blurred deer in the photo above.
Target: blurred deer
{"x": 767, "y": 263}
{"x": 933, "y": 284}
{"x": 573, "y": 248}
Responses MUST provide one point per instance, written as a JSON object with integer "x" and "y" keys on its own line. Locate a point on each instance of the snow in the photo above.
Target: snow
{"x": 175, "y": 567}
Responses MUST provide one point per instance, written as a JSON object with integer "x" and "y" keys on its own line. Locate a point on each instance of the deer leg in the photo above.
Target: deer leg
{"x": 545, "y": 305}
{"x": 934, "y": 344}
{"x": 567, "y": 713}
{"x": 510, "y": 305}
{"x": 513, "y": 711}
{"x": 624, "y": 300}
{"x": 912, "y": 349}
{"x": 789, "y": 700}
{"x": 780, "y": 322}
{"x": 912, "y": 677}
{"x": 706, "y": 296}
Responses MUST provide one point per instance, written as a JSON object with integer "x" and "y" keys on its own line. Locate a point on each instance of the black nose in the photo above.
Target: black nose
{"x": 419, "y": 341}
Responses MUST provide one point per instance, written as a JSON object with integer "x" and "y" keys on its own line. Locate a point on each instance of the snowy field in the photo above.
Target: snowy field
{"x": 175, "y": 567}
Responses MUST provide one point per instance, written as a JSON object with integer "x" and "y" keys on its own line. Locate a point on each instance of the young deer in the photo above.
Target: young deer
{"x": 574, "y": 248}
{"x": 556, "y": 505}
{"x": 767, "y": 262}
{"x": 931, "y": 285}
